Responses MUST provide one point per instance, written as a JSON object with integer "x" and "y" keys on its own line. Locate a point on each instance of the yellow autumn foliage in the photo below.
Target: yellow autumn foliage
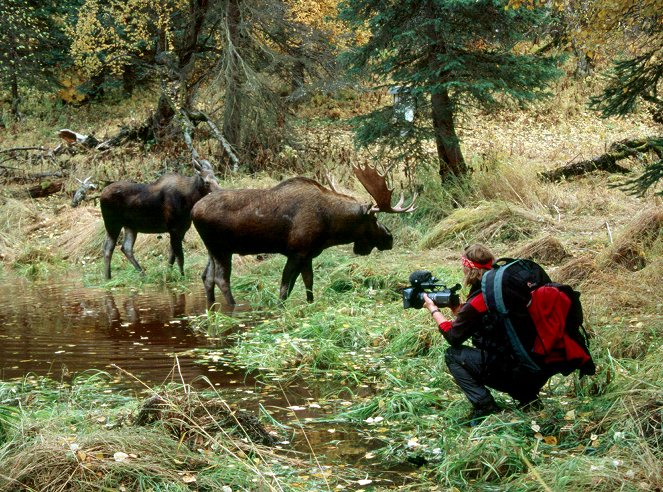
{"x": 597, "y": 21}
{"x": 109, "y": 32}
{"x": 69, "y": 92}
{"x": 603, "y": 28}
{"x": 322, "y": 15}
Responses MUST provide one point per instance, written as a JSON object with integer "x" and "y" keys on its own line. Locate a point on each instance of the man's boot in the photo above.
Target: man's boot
{"x": 481, "y": 411}
{"x": 533, "y": 404}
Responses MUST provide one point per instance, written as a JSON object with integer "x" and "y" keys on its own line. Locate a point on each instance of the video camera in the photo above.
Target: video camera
{"x": 423, "y": 281}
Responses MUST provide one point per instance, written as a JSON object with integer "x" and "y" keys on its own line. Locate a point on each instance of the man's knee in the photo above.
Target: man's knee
{"x": 453, "y": 355}
{"x": 464, "y": 361}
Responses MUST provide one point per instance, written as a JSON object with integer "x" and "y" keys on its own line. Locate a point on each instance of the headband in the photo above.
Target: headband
{"x": 473, "y": 264}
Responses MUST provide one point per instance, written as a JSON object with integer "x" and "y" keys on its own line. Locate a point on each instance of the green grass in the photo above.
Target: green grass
{"x": 379, "y": 367}
{"x": 83, "y": 436}
{"x": 358, "y": 343}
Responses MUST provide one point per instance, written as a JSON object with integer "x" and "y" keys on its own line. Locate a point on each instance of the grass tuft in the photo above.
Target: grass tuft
{"x": 574, "y": 271}
{"x": 489, "y": 222}
{"x": 547, "y": 250}
{"x": 632, "y": 249}
{"x": 61, "y": 438}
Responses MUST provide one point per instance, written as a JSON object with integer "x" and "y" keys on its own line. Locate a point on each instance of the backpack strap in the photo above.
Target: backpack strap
{"x": 491, "y": 288}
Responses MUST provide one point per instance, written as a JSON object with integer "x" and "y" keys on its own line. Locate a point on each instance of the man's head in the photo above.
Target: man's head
{"x": 477, "y": 259}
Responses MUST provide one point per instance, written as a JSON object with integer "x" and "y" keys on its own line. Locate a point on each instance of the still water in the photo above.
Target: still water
{"x": 61, "y": 327}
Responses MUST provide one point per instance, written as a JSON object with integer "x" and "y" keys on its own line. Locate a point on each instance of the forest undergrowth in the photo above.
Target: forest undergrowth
{"x": 381, "y": 367}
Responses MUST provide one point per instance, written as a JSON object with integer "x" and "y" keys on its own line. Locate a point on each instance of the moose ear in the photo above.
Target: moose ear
{"x": 366, "y": 209}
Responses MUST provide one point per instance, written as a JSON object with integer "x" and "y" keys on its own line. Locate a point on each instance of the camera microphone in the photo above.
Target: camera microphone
{"x": 419, "y": 277}
{"x": 422, "y": 281}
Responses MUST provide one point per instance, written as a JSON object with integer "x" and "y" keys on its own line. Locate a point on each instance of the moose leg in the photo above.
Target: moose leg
{"x": 208, "y": 280}
{"x": 176, "y": 251}
{"x": 128, "y": 247}
{"x": 222, "y": 269}
{"x": 109, "y": 247}
{"x": 290, "y": 273}
{"x": 307, "y": 277}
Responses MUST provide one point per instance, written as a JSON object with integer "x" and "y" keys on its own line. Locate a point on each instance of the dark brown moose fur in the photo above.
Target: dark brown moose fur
{"x": 159, "y": 207}
{"x": 298, "y": 218}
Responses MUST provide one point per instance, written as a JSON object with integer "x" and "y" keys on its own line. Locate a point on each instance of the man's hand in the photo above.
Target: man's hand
{"x": 438, "y": 317}
{"x": 428, "y": 303}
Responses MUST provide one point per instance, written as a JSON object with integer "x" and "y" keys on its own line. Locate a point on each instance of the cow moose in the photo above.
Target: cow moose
{"x": 159, "y": 207}
{"x": 298, "y": 218}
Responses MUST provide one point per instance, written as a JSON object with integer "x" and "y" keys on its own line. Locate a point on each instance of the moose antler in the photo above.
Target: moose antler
{"x": 204, "y": 168}
{"x": 332, "y": 183}
{"x": 376, "y": 186}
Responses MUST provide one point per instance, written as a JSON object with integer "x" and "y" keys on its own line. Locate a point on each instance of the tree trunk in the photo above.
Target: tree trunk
{"x": 232, "y": 112}
{"x": 16, "y": 98}
{"x": 584, "y": 66}
{"x": 446, "y": 140}
{"x": 178, "y": 67}
{"x": 606, "y": 162}
{"x": 232, "y": 104}
{"x": 163, "y": 119}
{"x": 129, "y": 79}
{"x": 297, "y": 80}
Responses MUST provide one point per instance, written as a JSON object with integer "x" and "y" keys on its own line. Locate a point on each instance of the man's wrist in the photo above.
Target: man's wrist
{"x": 433, "y": 311}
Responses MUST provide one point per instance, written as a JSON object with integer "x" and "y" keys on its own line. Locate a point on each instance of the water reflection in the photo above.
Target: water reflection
{"x": 60, "y": 328}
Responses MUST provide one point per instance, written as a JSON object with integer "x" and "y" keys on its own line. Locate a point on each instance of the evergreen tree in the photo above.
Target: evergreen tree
{"x": 636, "y": 78}
{"x": 445, "y": 55}
{"x": 632, "y": 80}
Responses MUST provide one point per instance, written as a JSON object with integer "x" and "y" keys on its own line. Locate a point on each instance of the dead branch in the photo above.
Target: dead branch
{"x": 81, "y": 192}
{"x": 45, "y": 189}
{"x": 606, "y": 162}
{"x": 200, "y": 116}
{"x": 187, "y": 130}
{"x": 16, "y": 149}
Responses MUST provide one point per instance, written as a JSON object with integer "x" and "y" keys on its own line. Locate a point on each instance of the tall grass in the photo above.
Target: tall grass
{"x": 603, "y": 430}
{"x": 79, "y": 437}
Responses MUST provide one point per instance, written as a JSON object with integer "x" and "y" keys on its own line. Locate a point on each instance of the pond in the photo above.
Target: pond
{"x": 59, "y": 328}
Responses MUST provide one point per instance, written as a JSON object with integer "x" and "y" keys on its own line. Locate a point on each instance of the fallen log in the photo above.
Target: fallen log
{"x": 15, "y": 149}
{"x": 45, "y": 188}
{"x": 606, "y": 162}
{"x": 19, "y": 176}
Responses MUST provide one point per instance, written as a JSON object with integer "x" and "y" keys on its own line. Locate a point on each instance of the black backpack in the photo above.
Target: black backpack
{"x": 510, "y": 290}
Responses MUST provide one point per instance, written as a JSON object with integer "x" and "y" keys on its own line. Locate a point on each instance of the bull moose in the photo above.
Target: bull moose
{"x": 298, "y": 218}
{"x": 159, "y": 207}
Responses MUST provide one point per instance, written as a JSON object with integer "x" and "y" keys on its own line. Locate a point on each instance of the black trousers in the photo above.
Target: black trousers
{"x": 476, "y": 370}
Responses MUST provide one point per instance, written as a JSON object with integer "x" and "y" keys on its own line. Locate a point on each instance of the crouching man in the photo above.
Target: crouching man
{"x": 489, "y": 363}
